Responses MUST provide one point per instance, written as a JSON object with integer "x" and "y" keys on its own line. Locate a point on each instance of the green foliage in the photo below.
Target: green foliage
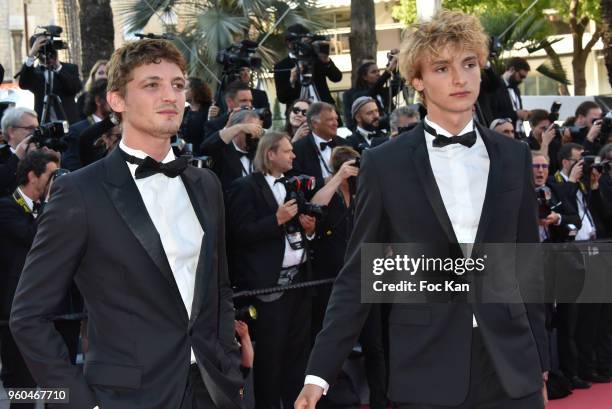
{"x": 209, "y": 26}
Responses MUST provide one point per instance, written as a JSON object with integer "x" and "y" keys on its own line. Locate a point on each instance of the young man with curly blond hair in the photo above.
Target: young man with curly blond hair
{"x": 142, "y": 235}
{"x": 446, "y": 181}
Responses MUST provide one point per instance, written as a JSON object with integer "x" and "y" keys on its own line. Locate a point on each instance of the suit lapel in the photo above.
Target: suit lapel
{"x": 200, "y": 202}
{"x": 130, "y": 206}
{"x": 265, "y": 190}
{"x": 493, "y": 183}
{"x": 428, "y": 181}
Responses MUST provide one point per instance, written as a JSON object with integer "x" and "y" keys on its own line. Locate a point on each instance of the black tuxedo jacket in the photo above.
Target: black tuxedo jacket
{"x": 306, "y": 160}
{"x": 356, "y": 140}
{"x": 65, "y": 85}
{"x": 71, "y": 159}
{"x": 96, "y": 230}
{"x": 225, "y": 159}
{"x": 257, "y": 241}
{"x": 430, "y": 344}
{"x": 18, "y": 229}
{"x": 287, "y": 94}
{"x": 494, "y": 100}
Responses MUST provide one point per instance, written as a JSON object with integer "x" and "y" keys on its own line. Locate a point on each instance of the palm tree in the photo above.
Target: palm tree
{"x": 606, "y": 17}
{"x": 209, "y": 26}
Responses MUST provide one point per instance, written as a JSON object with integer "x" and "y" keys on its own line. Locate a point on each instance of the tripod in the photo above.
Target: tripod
{"x": 308, "y": 91}
{"x": 51, "y": 98}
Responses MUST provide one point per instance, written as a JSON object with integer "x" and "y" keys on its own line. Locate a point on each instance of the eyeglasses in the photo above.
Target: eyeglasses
{"x": 297, "y": 110}
{"x": 540, "y": 165}
{"x": 29, "y": 128}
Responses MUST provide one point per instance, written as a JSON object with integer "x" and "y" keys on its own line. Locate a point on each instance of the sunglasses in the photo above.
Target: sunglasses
{"x": 540, "y": 165}
{"x": 297, "y": 111}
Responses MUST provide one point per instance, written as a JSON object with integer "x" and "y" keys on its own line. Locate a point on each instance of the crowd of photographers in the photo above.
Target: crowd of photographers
{"x": 290, "y": 194}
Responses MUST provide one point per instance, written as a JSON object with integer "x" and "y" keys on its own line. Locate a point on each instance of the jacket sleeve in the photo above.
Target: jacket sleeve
{"x": 332, "y": 72}
{"x": 68, "y": 81}
{"x": 46, "y": 278}
{"x": 284, "y": 91}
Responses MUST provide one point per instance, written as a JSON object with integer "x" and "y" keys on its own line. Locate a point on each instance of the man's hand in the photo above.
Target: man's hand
{"x": 23, "y": 147}
{"x": 594, "y": 131}
{"x": 293, "y": 78}
{"x": 308, "y": 397}
{"x": 247, "y": 353}
{"x": 213, "y": 111}
{"x": 347, "y": 169}
{"x": 553, "y": 218}
{"x": 595, "y": 175}
{"x": 544, "y": 390}
{"x": 548, "y": 135}
{"x": 286, "y": 212}
{"x": 576, "y": 172}
{"x": 38, "y": 43}
{"x": 523, "y": 114}
{"x": 308, "y": 223}
{"x": 255, "y": 130}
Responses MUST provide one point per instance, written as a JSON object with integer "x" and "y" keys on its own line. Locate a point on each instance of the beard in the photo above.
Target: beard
{"x": 371, "y": 127}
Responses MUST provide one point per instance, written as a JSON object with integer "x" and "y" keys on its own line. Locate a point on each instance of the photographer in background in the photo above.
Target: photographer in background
{"x": 199, "y": 98}
{"x": 303, "y": 73}
{"x": 51, "y": 77}
{"x": 587, "y": 129}
{"x": 403, "y": 119}
{"x": 97, "y": 110}
{"x": 369, "y": 82}
{"x": 18, "y": 215}
{"x": 605, "y": 188}
{"x": 18, "y": 126}
{"x": 237, "y": 96}
{"x": 262, "y": 256}
{"x": 232, "y": 149}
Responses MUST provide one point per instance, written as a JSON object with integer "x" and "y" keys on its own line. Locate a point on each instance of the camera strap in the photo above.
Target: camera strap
{"x": 21, "y": 201}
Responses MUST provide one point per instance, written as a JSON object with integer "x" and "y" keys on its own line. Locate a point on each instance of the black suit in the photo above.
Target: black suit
{"x": 287, "y": 94}
{"x": 283, "y": 325}
{"x": 307, "y": 161}
{"x": 430, "y": 344}
{"x": 96, "y": 229}
{"x": 8, "y": 171}
{"x": 358, "y": 142}
{"x": 66, "y": 85}
{"x": 494, "y": 99}
{"x": 18, "y": 230}
{"x": 225, "y": 159}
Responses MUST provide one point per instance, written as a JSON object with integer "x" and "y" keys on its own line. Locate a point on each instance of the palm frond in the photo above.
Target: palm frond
{"x": 137, "y": 13}
{"x": 559, "y": 75}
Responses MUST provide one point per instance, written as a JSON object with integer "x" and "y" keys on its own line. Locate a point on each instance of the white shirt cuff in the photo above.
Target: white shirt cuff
{"x": 59, "y": 67}
{"x": 29, "y": 62}
{"x": 315, "y": 380}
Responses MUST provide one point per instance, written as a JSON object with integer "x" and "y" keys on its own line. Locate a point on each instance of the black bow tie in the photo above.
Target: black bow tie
{"x": 149, "y": 166}
{"x": 467, "y": 139}
{"x": 281, "y": 179}
{"x": 324, "y": 145}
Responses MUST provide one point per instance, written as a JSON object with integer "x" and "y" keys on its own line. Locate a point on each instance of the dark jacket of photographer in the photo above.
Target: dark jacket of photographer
{"x": 66, "y": 85}
{"x": 225, "y": 159}
{"x": 287, "y": 93}
{"x": 8, "y": 170}
{"x": 569, "y": 214}
{"x": 567, "y": 192}
{"x": 257, "y": 242}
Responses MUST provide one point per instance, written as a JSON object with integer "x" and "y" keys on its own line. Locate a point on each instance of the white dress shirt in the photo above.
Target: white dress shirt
{"x": 176, "y": 222}
{"x": 516, "y": 104}
{"x": 27, "y": 199}
{"x": 587, "y": 230}
{"x": 461, "y": 174}
{"x": 366, "y": 135}
{"x": 324, "y": 155}
{"x": 291, "y": 257}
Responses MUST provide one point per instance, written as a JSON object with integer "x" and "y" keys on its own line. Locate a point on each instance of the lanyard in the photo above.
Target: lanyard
{"x": 21, "y": 201}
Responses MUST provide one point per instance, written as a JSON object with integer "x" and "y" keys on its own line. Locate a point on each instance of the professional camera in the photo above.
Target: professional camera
{"x": 307, "y": 46}
{"x": 265, "y": 115}
{"x": 495, "y": 48}
{"x": 237, "y": 56}
{"x": 352, "y": 181}
{"x": 545, "y": 203}
{"x": 51, "y": 135}
{"x": 593, "y": 162}
{"x": 606, "y": 128}
{"x": 298, "y": 187}
{"x": 50, "y": 48}
{"x": 554, "y": 111}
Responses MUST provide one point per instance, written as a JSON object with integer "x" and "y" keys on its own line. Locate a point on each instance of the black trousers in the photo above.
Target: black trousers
{"x": 594, "y": 338}
{"x": 196, "y": 395}
{"x": 371, "y": 340}
{"x": 15, "y": 373}
{"x": 486, "y": 391}
{"x": 282, "y": 346}
{"x": 567, "y": 326}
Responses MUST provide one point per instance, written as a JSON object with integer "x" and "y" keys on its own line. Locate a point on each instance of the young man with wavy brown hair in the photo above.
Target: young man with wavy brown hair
{"x": 447, "y": 181}
{"x": 142, "y": 234}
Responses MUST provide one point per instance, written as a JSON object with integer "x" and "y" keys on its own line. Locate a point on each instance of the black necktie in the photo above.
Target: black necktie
{"x": 36, "y": 208}
{"x": 149, "y": 166}
{"x": 331, "y": 144}
{"x": 467, "y": 139}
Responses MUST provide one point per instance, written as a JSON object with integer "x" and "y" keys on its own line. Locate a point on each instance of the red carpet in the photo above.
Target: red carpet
{"x": 599, "y": 396}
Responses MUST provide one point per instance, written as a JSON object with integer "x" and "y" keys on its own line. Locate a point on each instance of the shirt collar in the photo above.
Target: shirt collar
{"x": 318, "y": 140}
{"x": 141, "y": 155}
{"x": 366, "y": 134}
{"x": 441, "y": 131}
{"x": 96, "y": 118}
{"x": 271, "y": 179}
{"x": 27, "y": 199}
